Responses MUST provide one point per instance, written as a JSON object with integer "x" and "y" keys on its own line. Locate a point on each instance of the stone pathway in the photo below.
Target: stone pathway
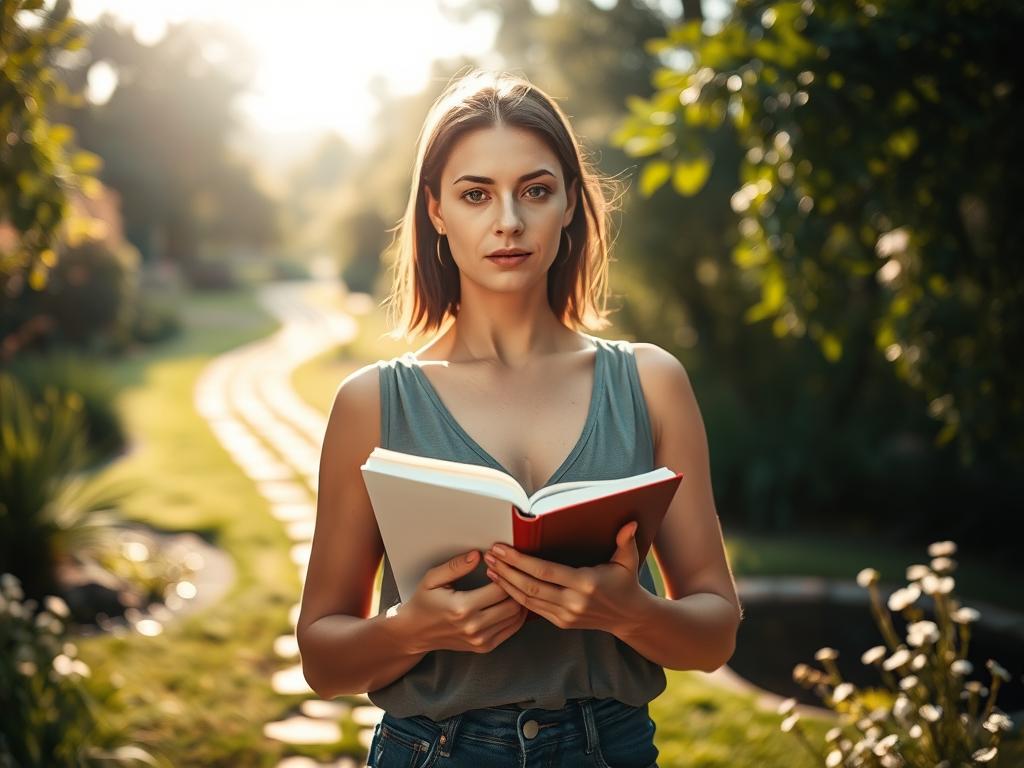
{"x": 275, "y": 437}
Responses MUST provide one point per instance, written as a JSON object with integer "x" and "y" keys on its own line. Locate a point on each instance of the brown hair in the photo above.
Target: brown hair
{"x": 425, "y": 293}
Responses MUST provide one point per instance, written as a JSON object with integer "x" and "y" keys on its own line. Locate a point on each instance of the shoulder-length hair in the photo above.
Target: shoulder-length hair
{"x": 425, "y": 290}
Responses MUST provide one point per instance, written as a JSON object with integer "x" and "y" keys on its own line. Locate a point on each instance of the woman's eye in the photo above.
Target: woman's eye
{"x": 543, "y": 189}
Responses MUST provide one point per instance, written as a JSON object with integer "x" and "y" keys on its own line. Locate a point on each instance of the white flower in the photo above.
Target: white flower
{"x": 985, "y": 755}
{"x": 961, "y": 667}
{"x": 789, "y": 722}
{"x": 908, "y": 682}
{"x": 997, "y": 721}
{"x": 976, "y": 687}
{"x": 63, "y": 665}
{"x": 867, "y": 577}
{"x": 903, "y": 597}
{"x": 941, "y": 549}
{"x": 931, "y": 712}
{"x": 833, "y": 734}
{"x": 917, "y": 663}
{"x": 943, "y": 564}
{"x": 997, "y": 671}
{"x": 915, "y": 731}
{"x": 917, "y": 571}
{"x": 27, "y": 668}
{"x": 11, "y": 586}
{"x": 826, "y": 654}
{"x": 921, "y": 632}
{"x": 898, "y": 659}
{"x": 842, "y": 692}
{"x": 965, "y": 615}
{"x": 57, "y": 606}
{"x": 873, "y": 655}
{"x": 834, "y": 759}
{"x": 937, "y": 585}
{"x": 902, "y": 708}
{"x": 786, "y": 706}
{"x": 885, "y": 745}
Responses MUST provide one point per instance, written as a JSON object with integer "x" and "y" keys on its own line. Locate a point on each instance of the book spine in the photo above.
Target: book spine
{"x": 525, "y": 532}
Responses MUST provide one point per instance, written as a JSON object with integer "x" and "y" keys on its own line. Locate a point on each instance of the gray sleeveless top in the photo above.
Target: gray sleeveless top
{"x": 541, "y": 665}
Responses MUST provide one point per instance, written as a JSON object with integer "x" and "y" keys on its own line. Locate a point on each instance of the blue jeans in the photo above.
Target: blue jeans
{"x": 591, "y": 733}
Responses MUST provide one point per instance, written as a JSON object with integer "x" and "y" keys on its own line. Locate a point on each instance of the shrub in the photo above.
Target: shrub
{"x": 48, "y": 507}
{"x": 50, "y": 719}
{"x": 70, "y": 374}
{"x": 928, "y": 714}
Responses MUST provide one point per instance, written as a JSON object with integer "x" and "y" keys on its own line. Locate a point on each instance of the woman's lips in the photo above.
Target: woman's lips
{"x": 519, "y": 258}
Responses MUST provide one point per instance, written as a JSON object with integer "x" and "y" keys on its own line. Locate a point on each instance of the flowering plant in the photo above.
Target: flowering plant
{"x": 49, "y": 718}
{"x": 929, "y": 714}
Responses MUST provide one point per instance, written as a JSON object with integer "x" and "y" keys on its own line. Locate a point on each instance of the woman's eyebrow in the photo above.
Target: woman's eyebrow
{"x": 485, "y": 180}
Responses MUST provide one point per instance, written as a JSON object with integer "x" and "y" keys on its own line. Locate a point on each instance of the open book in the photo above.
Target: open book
{"x": 429, "y": 510}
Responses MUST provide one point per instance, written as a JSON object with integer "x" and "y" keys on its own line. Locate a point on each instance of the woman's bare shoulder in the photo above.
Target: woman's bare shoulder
{"x": 356, "y": 407}
{"x": 666, "y": 385}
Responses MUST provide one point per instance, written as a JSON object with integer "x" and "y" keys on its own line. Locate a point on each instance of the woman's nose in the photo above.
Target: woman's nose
{"x": 509, "y": 219}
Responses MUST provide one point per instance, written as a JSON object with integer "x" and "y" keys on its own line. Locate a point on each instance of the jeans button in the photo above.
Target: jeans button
{"x": 530, "y": 729}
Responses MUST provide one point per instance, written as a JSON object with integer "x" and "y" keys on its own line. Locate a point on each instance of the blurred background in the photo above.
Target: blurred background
{"x": 817, "y": 219}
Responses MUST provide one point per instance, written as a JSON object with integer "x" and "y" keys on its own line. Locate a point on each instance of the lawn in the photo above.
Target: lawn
{"x": 199, "y": 693}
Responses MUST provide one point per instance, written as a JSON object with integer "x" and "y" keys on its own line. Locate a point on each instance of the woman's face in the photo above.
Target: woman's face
{"x": 502, "y": 187}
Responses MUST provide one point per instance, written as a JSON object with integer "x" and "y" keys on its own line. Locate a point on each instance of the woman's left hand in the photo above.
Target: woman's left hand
{"x": 590, "y": 597}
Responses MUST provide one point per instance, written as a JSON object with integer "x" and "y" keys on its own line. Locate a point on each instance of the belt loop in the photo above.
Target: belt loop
{"x": 589, "y": 726}
{"x": 446, "y": 741}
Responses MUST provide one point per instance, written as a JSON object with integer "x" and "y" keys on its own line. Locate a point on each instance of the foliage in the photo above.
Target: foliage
{"x": 50, "y": 718}
{"x": 76, "y": 377}
{"x": 879, "y": 145}
{"x": 929, "y": 716}
{"x": 48, "y": 507}
{"x": 38, "y": 164}
{"x": 90, "y": 301}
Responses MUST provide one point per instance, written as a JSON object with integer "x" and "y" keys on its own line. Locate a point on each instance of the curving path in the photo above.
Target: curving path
{"x": 275, "y": 437}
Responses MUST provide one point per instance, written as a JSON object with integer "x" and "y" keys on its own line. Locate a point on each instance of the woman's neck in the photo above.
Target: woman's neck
{"x": 507, "y": 328}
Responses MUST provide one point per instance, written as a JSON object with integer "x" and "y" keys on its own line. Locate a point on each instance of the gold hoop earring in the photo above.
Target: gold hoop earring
{"x": 438, "y": 249}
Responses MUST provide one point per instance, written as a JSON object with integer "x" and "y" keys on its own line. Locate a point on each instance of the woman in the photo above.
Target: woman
{"x": 503, "y": 252}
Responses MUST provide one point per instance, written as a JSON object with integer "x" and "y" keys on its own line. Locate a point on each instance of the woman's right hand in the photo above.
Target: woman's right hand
{"x": 438, "y": 617}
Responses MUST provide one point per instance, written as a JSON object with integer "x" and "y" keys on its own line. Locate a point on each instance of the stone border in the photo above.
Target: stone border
{"x": 797, "y": 588}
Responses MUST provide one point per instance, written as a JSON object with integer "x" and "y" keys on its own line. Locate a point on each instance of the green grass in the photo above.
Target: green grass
{"x": 199, "y": 693}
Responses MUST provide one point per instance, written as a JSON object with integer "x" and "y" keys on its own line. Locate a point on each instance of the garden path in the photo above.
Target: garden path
{"x": 246, "y": 396}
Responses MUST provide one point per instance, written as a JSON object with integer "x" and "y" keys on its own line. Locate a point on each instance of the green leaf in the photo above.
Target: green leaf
{"x": 654, "y": 174}
{"x": 832, "y": 347}
{"x": 689, "y": 175}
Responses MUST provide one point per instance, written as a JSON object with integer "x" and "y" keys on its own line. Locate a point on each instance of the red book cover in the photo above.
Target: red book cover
{"x": 584, "y": 534}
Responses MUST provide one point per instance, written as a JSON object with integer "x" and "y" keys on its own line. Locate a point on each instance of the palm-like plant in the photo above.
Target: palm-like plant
{"x": 49, "y": 510}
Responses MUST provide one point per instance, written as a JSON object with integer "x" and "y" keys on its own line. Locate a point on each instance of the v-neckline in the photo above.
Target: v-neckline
{"x": 596, "y": 392}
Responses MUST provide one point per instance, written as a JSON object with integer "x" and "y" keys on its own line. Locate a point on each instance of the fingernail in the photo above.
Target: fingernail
{"x": 499, "y": 550}
{"x": 470, "y": 557}
{"x": 490, "y": 558}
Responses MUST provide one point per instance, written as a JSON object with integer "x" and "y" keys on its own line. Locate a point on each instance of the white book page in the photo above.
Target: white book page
{"x": 566, "y": 494}
{"x": 450, "y": 474}
{"x": 424, "y": 525}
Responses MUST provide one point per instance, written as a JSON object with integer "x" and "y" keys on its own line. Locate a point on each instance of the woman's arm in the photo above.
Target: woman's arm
{"x": 695, "y": 625}
{"x": 342, "y": 651}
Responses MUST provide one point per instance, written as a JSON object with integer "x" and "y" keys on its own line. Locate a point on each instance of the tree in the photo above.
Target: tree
{"x": 878, "y": 173}
{"x": 39, "y": 165}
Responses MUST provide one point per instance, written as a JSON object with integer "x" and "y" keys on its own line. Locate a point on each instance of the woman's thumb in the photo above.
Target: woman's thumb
{"x": 452, "y": 569}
